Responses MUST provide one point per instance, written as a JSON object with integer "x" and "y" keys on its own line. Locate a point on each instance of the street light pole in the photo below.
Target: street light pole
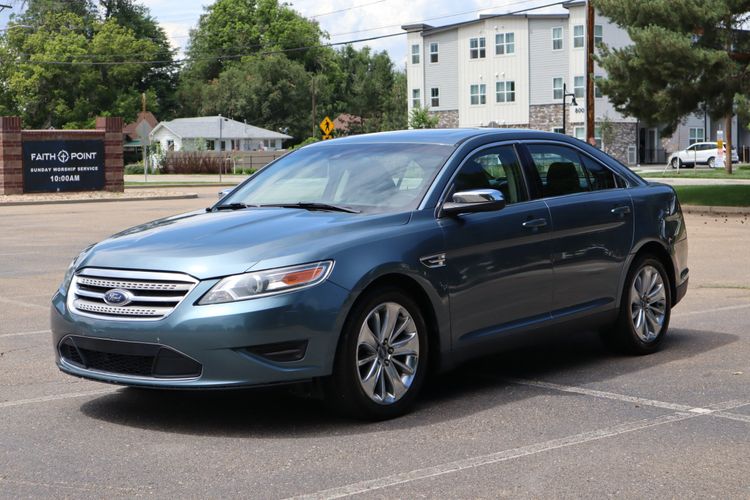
{"x": 565, "y": 105}
{"x": 221, "y": 145}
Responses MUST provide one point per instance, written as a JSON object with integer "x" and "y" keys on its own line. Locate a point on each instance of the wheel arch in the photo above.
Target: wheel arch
{"x": 416, "y": 291}
{"x": 659, "y": 251}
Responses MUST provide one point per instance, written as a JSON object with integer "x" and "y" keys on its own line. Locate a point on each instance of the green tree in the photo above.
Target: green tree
{"x": 47, "y": 74}
{"x": 421, "y": 118}
{"x": 685, "y": 54}
{"x": 268, "y": 91}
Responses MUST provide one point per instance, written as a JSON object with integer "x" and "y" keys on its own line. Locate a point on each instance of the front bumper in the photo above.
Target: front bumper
{"x": 228, "y": 341}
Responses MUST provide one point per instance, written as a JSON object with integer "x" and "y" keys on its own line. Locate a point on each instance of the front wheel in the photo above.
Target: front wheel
{"x": 382, "y": 357}
{"x": 712, "y": 162}
{"x": 645, "y": 309}
{"x": 676, "y": 163}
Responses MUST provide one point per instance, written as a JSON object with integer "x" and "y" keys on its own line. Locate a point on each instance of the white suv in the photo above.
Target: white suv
{"x": 700, "y": 153}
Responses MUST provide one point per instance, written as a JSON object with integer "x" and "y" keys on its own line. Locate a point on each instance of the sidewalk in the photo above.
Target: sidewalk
{"x": 226, "y": 179}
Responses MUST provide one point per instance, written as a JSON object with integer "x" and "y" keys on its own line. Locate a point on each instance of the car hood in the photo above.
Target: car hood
{"x": 213, "y": 244}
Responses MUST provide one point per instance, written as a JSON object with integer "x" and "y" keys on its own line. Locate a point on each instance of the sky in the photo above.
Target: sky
{"x": 343, "y": 19}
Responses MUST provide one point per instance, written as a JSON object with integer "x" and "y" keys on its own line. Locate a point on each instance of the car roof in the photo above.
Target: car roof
{"x": 449, "y": 136}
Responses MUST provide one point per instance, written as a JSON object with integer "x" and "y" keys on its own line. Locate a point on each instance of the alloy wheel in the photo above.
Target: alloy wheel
{"x": 387, "y": 353}
{"x": 648, "y": 304}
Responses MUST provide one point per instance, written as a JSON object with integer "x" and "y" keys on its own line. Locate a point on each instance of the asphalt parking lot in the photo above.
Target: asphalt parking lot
{"x": 560, "y": 419}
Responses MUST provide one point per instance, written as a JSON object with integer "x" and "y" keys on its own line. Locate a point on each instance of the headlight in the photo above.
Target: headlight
{"x": 270, "y": 282}
{"x": 72, "y": 269}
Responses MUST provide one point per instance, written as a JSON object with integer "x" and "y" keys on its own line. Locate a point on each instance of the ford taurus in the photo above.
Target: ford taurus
{"x": 367, "y": 263}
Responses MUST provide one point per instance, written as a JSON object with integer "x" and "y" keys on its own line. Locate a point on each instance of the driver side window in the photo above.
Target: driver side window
{"x": 495, "y": 168}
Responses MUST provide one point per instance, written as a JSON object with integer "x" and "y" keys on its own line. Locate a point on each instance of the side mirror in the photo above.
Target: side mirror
{"x": 224, "y": 192}
{"x": 477, "y": 200}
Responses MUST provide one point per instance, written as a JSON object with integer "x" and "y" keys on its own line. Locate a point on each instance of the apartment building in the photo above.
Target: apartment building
{"x": 510, "y": 71}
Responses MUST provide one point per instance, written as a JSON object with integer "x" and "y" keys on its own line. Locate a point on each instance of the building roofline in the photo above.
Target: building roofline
{"x": 483, "y": 17}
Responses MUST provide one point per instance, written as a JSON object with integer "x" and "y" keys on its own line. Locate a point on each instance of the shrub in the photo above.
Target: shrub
{"x": 133, "y": 168}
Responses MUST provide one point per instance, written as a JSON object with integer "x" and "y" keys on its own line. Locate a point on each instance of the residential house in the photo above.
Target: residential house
{"x": 215, "y": 133}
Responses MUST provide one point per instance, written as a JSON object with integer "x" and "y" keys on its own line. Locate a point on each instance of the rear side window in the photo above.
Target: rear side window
{"x": 494, "y": 168}
{"x": 563, "y": 171}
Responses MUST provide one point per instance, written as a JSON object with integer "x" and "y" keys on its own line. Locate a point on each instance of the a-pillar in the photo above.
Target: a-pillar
{"x": 11, "y": 166}
{"x": 114, "y": 168}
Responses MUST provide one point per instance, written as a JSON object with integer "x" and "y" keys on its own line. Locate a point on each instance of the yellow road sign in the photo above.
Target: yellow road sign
{"x": 327, "y": 126}
{"x": 326, "y": 137}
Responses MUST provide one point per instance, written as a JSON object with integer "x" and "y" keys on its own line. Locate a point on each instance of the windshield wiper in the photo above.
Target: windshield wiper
{"x": 314, "y": 206}
{"x": 229, "y": 206}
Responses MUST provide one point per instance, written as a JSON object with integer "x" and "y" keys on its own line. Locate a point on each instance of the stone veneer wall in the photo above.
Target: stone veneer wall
{"x": 624, "y": 136}
{"x": 446, "y": 119}
{"x": 547, "y": 117}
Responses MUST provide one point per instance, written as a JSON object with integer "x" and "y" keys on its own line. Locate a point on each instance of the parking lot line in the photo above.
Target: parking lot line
{"x": 23, "y": 334}
{"x": 608, "y": 395}
{"x": 493, "y": 458}
{"x": 55, "y": 397}
{"x": 22, "y": 304}
{"x": 709, "y": 311}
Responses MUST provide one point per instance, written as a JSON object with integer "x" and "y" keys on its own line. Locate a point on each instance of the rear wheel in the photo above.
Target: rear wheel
{"x": 645, "y": 308}
{"x": 382, "y": 358}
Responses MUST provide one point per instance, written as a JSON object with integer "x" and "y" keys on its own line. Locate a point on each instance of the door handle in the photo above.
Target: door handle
{"x": 621, "y": 210}
{"x": 535, "y": 223}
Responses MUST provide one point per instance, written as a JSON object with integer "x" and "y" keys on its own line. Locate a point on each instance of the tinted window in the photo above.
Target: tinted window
{"x": 368, "y": 177}
{"x": 563, "y": 171}
{"x": 494, "y": 168}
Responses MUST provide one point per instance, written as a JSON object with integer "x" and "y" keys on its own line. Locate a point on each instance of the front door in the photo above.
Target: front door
{"x": 499, "y": 266}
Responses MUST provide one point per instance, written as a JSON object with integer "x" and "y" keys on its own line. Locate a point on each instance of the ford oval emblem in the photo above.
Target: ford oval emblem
{"x": 118, "y": 297}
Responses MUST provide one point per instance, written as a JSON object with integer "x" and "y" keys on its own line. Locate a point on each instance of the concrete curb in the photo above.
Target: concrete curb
{"x": 697, "y": 209}
{"x": 185, "y": 196}
{"x": 191, "y": 185}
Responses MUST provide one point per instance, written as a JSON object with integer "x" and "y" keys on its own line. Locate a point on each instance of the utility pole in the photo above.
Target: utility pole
{"x": 728, "y": 127}
{"x": 314, "y": 119}
{"x": 590, "y": 78}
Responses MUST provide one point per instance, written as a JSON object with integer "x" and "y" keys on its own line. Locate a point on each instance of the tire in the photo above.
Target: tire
{"x": 642, "y": 322}
{"x": 676, "y": 163}
{"x": 378, "y": 377}
{"x": 711, "y": 162}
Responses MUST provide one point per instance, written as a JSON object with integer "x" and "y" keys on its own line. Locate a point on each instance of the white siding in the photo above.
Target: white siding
{"x": 415, "y": 72}
{"x": 546, "y": 64}
{"x": 494, "y": 68}
{"x": 442, "y": 74}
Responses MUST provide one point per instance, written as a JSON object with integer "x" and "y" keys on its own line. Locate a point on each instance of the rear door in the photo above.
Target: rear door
{"x": 499, "y": 266}
{"x": 592, "y": 226}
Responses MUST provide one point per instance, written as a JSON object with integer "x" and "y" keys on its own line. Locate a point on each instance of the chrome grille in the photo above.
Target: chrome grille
{"x": 152, "y": 295}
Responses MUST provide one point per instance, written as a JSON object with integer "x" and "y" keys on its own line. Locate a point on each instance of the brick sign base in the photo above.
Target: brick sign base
{"x": 73, "y": 157}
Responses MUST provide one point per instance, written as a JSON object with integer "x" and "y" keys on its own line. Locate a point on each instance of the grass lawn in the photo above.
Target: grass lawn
{"x": 718, "y": 196}
{"x": 738, "y": 172}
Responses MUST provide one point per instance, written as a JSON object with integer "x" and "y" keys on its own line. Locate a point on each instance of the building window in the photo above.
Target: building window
{"x": 210, "y": 145}
{"x": 435, "y": 97}
{"x": 505, "y": 92}
{"x": 416, "y": 98}
{"x": 477, "y": 48}
{"x": 557, "y": 130}
{"x": 597, "y": 90}
{"x": 479, "y": 94}
{"x": 415, "y": 54}
{"x": 598, "y": 34}
{"x": 579, "y": 87}
{"x": 505, "y": 43}
{"x": 434, "y": 47}
{"x": 557, "y": 88}
{"x": 579, "y": 40}
{"x": 697, "y": 134}
{"x": 557, "y": 38}
{"x": 580, "y": 133}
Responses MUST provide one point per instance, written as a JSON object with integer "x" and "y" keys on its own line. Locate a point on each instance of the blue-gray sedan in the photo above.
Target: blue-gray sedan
{"x": 368, "y": 262}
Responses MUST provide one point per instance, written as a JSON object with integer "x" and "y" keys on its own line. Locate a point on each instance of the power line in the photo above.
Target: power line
{"x": 267, "y": 52}
{"x": 346, "y": 9}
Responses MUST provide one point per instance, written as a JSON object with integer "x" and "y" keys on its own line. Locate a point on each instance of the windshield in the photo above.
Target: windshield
{"x": 365, "y": 177}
